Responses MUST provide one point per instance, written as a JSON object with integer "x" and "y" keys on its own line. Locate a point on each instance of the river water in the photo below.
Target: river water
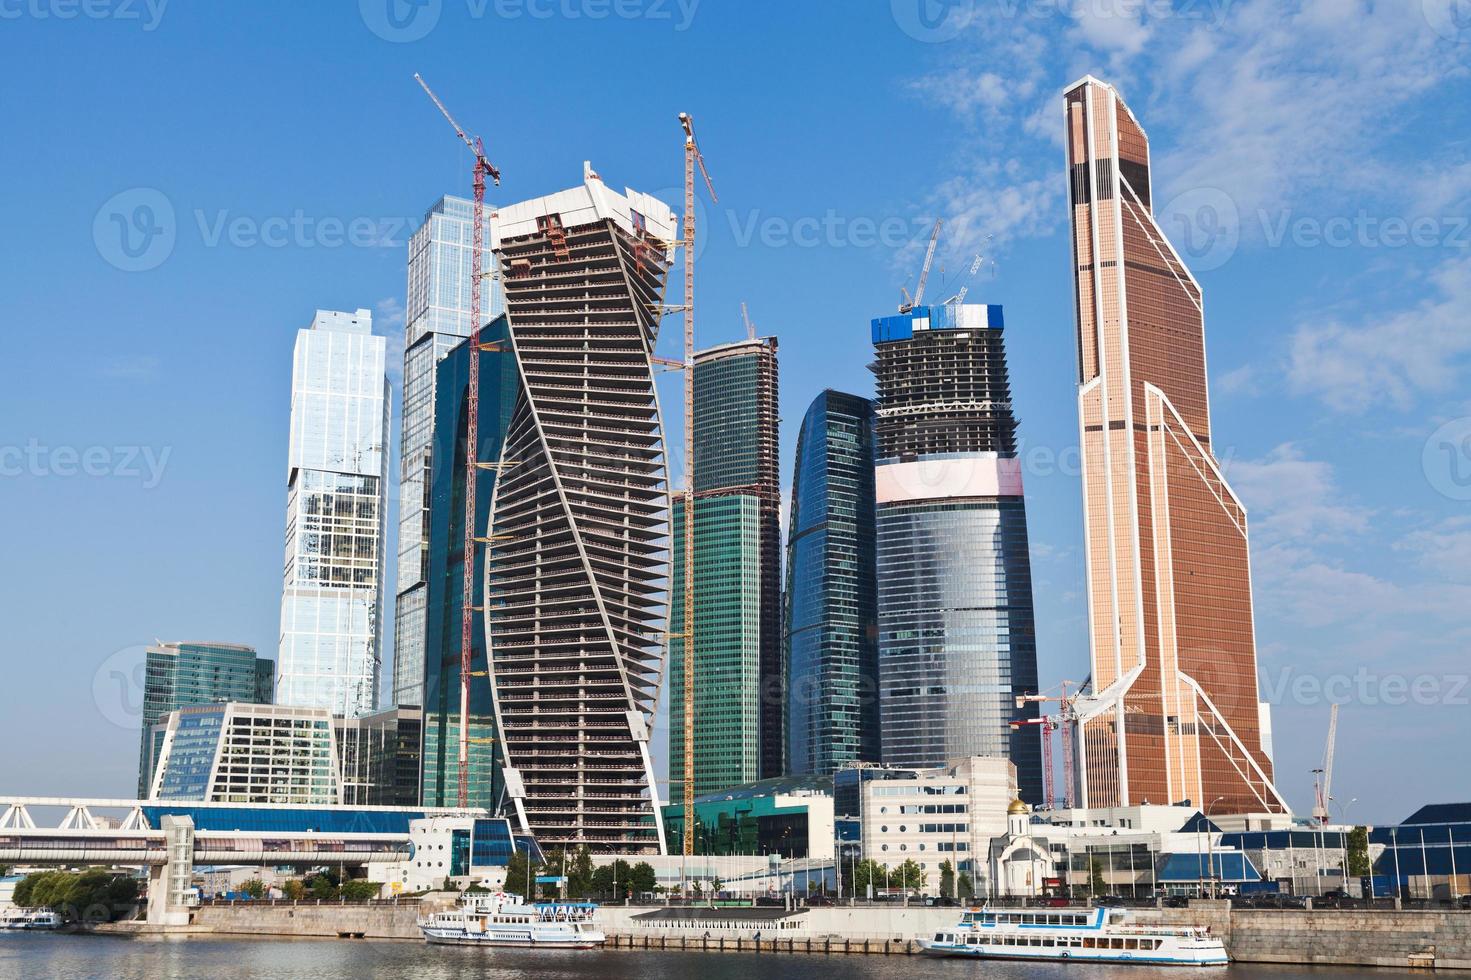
{"x": 84, "y": 957}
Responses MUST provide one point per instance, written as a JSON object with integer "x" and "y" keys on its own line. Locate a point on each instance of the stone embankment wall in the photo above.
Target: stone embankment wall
{"x": 1320, "y": 937}
{"x": 1326, "y": 937}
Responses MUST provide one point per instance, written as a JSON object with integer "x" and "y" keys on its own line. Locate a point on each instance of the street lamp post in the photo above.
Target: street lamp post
{"x": 1211, "y": 846}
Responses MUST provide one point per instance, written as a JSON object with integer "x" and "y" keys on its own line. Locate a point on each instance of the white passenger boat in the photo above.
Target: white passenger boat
{"x": 504, "y": 919}
{"x": 30, "y": 920}
{"x": 1101, "y": 935}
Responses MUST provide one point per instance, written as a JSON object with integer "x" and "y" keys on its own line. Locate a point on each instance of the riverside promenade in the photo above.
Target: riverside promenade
{"x": 1321, "y": 937}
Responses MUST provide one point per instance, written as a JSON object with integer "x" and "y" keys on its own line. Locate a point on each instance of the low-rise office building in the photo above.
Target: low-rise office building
{"x": 788, "y": 817}
{"x": 249, "y": 753}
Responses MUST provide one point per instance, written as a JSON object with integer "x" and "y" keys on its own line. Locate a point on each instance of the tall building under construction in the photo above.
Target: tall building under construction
{"x": 957, "y": 637}
{"x": 1172, "y": 713}
{"x": 738, "y": 655}
{"x": 577, "y": 561}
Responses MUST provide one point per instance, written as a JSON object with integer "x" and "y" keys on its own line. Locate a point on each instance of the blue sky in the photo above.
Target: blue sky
{"x": 1311, "y": 161}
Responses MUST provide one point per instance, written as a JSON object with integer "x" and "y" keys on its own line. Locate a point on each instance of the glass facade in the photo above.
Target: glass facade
{"x": 249, "y": 753}
{"x": 445, "y": 585}
{"x": 180, "y": 674}
{"x": 768, "y": 817}
{"x": 336, "y": 479}
{"x": 380, "y": 757}
{"x": 727, "y": 645}
{"x": 436, "y": 319}
{"x": 738, "y": 703}
{"x": 831, "y": 596}
{"x": 956, "y": 631}
{"x": 1171, "y": 635}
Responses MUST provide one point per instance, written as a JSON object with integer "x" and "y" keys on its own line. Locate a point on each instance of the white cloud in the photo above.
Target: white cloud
{"x": 1388, "y": 358}
{"x": 1294, "y": 499}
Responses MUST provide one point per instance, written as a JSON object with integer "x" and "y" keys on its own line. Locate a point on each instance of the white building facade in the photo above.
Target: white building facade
{"x": 332, "y": 599}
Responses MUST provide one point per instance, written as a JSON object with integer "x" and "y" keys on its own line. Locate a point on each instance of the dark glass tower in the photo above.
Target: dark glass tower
{"x": 830, "y": 630}
{"x": 957, "y": 639}
{"x": 738, "y": 659}
{"x": 441, "y": 721}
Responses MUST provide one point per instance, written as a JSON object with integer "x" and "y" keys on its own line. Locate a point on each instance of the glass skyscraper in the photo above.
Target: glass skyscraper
{"x": 957, "y": 637}
{"x": 1173, "y": 713}
{"x": 737, "y": 690}
{"x": 336, "y": 477}
{"x": 436, "y": 318}
{"x": 831, "y": 633}
{"x": 177, "y": 675}
{"x": 445, "y": 580}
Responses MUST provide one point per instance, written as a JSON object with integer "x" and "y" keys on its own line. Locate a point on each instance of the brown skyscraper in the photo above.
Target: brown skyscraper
{"x": 1173, "y": 712}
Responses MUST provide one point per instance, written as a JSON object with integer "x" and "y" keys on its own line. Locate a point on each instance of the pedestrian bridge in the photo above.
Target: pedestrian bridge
{"x": 171, "y": 838}
{"x": 55, "y": 830}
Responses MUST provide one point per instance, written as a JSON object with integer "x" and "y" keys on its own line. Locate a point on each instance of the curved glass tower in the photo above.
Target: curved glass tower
{"x": 830, "y": 629}
{"x": 957, "y": 639}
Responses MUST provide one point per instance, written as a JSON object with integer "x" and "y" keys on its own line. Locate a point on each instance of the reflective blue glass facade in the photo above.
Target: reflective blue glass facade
{"x": 957, "y": 634}
{"x": 196, "y": 742}
{"x": 830, "y": 625}
{"x": 442, "y": 624}
{"x": 956, "y": 631}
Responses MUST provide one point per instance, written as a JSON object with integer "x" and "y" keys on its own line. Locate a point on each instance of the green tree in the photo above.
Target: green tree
{"x": 612, "y": 880}
{"x": 908, "y": 875}
{"x": 947, "y": 880}
{"x": 579, "y": 874}
{"x": 521, "y": 874}
{"x": 360, "y": 890}
{"x": 322, "y": 888}
{"x": 294, "y": 890}
{"x": 966, "y": 887}
{"x": 1358, "y": 852}
{"x": 641, "y": 878}
{"x": 1096, "y": 884}
{"x": 253, "y": 888}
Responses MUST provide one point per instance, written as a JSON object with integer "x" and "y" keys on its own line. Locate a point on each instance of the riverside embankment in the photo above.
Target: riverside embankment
{"x": 1319, "y": 937}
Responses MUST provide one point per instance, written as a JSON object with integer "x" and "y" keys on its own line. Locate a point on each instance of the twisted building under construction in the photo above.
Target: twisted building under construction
{"x": 577, "y": 567}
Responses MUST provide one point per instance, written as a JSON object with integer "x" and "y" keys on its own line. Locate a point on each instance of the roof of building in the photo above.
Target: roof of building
{"x": 1017, "y": 806}
{"x": 1441, "y": 813}
{"x": 1230, "y": 866}
{"x": 780, "y": 786}
{"x": 1199, "y": 824}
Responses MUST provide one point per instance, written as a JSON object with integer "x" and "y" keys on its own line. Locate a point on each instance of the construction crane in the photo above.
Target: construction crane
{"x": 483, "y": 167}
{"x": 1064, "y": 721}
{"x": 746, "y": 319}
{"x": 975, "y": 267}
{"x": 1323, "y": 778}
{"x": 924, "y": 272}
{"x": 692, "y": 159}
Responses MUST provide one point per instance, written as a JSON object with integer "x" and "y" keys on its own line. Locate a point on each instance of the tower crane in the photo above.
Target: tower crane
{"x": 1063, "y": 721}
{"x": 692, "y": 159}
{"x": 924, "y": 272}
{"x": 1323, "y": 778}
{"x": 483, "y": 168}
{"x": 746, "y": 319}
